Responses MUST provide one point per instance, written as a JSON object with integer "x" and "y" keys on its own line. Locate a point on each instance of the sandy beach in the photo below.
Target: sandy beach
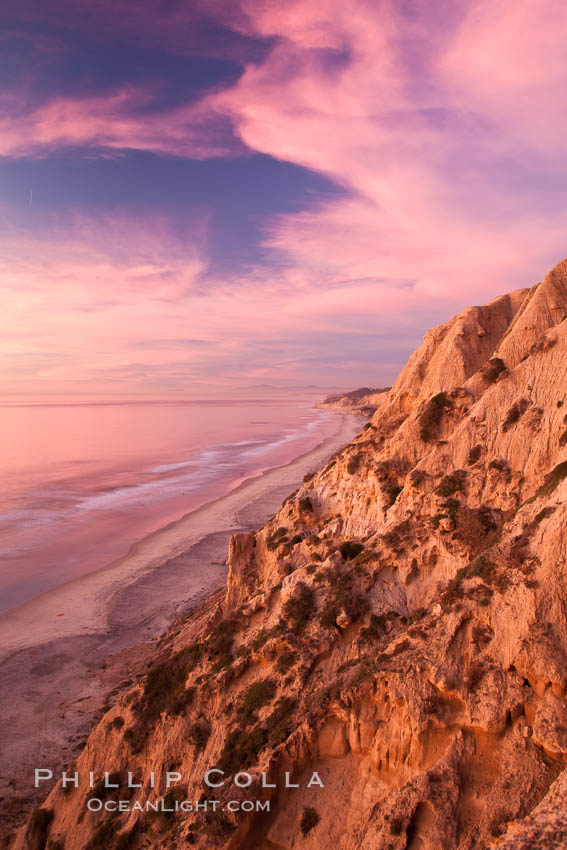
{"x": 64, "y": 652}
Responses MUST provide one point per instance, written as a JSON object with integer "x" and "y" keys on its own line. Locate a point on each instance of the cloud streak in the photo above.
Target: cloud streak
{"x": 120, "y": 121}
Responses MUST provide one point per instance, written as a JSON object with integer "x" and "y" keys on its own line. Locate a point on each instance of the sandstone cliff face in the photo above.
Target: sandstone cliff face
{"x": 400, "y": 627}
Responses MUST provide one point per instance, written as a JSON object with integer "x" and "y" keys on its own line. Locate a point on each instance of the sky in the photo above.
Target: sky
{"x": 213, "y": 198}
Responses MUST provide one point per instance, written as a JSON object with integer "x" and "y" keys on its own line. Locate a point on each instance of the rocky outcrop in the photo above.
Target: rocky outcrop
{"x": 398, "y": 630}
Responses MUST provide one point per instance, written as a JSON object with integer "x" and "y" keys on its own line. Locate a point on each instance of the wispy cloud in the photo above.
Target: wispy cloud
{"x": 81, "y": 304}
{"x": 430, "y": 126}
{"x": 119, "y": 121}
{"x": 508, "y": 62}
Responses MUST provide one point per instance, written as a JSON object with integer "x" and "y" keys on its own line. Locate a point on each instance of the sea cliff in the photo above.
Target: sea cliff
{"x": 399, "y": 628}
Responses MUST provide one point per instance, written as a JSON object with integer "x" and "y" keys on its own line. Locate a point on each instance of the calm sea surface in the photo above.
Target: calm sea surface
{"x": 81, "y": 483}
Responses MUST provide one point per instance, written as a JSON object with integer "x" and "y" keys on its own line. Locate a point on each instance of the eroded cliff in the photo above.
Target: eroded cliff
{"x": 400, "y": 627}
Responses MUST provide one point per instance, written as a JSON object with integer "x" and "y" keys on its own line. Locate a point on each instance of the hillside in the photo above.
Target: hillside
{"x": 399, "y": 627}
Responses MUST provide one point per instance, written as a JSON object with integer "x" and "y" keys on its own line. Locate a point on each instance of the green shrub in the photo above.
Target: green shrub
{"x": 452, "y": 593}
{"x": 256, "y": 697}
{"x": 473, "y": 524}
{"x": 286, "y": 661}
{"x": 452, "y": 506}
{"x": 531, "y": 583}
{"x": 265, "y": 635}
{"x": 305, "y": 505}
{"x": 515, "y": 413}
{"x": 295, "y": 540}
{"x": 342, "y": 595}
{"x": 450, "y": 484}
{"x": 383, "y": 470}
{"x": 329, "y": 616}
{"x": 397, "y": 534}
{"x": 356, "y": 606}
{"x": 164, "y": 691}
{"x": 275, "y": 539}
{"x": 300, "y": 607}
{"x": 190, "y": 656}
{"x": 481, "y": 567}
{"x": 375, "y": 629}
{"x": 352, "y": 465}
{"x": 350, "y": 549}
{"x": 242, "y": 748}
{"x": 492, "y": 370}
{"x": 164, "y": 683}
{"x": 430, "y": 418}
{"x": 417, "y": 477}
{"x": 309, "y": 820}
{"x": 218, "y": 645}
{"x": 474, "y": 455}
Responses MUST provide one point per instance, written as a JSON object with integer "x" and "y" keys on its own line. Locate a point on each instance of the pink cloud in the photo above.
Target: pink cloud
{"x": 102, "y": 261}
{"x": 116, "y": 121}
{"x": 509, "y": 62}
{"x": 430, "y": 203}
{"x": 123, "y": 308}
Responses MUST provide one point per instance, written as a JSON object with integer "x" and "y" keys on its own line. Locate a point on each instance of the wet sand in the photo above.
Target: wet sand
{"x": 64, "y": 652}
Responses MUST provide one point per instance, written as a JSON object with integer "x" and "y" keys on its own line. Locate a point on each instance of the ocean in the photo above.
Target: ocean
{"x": 80, "y": 483}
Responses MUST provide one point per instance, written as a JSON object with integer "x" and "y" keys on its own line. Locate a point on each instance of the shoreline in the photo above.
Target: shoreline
{"x": 55, "y": 613}
{"x": 58, "y": 670}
